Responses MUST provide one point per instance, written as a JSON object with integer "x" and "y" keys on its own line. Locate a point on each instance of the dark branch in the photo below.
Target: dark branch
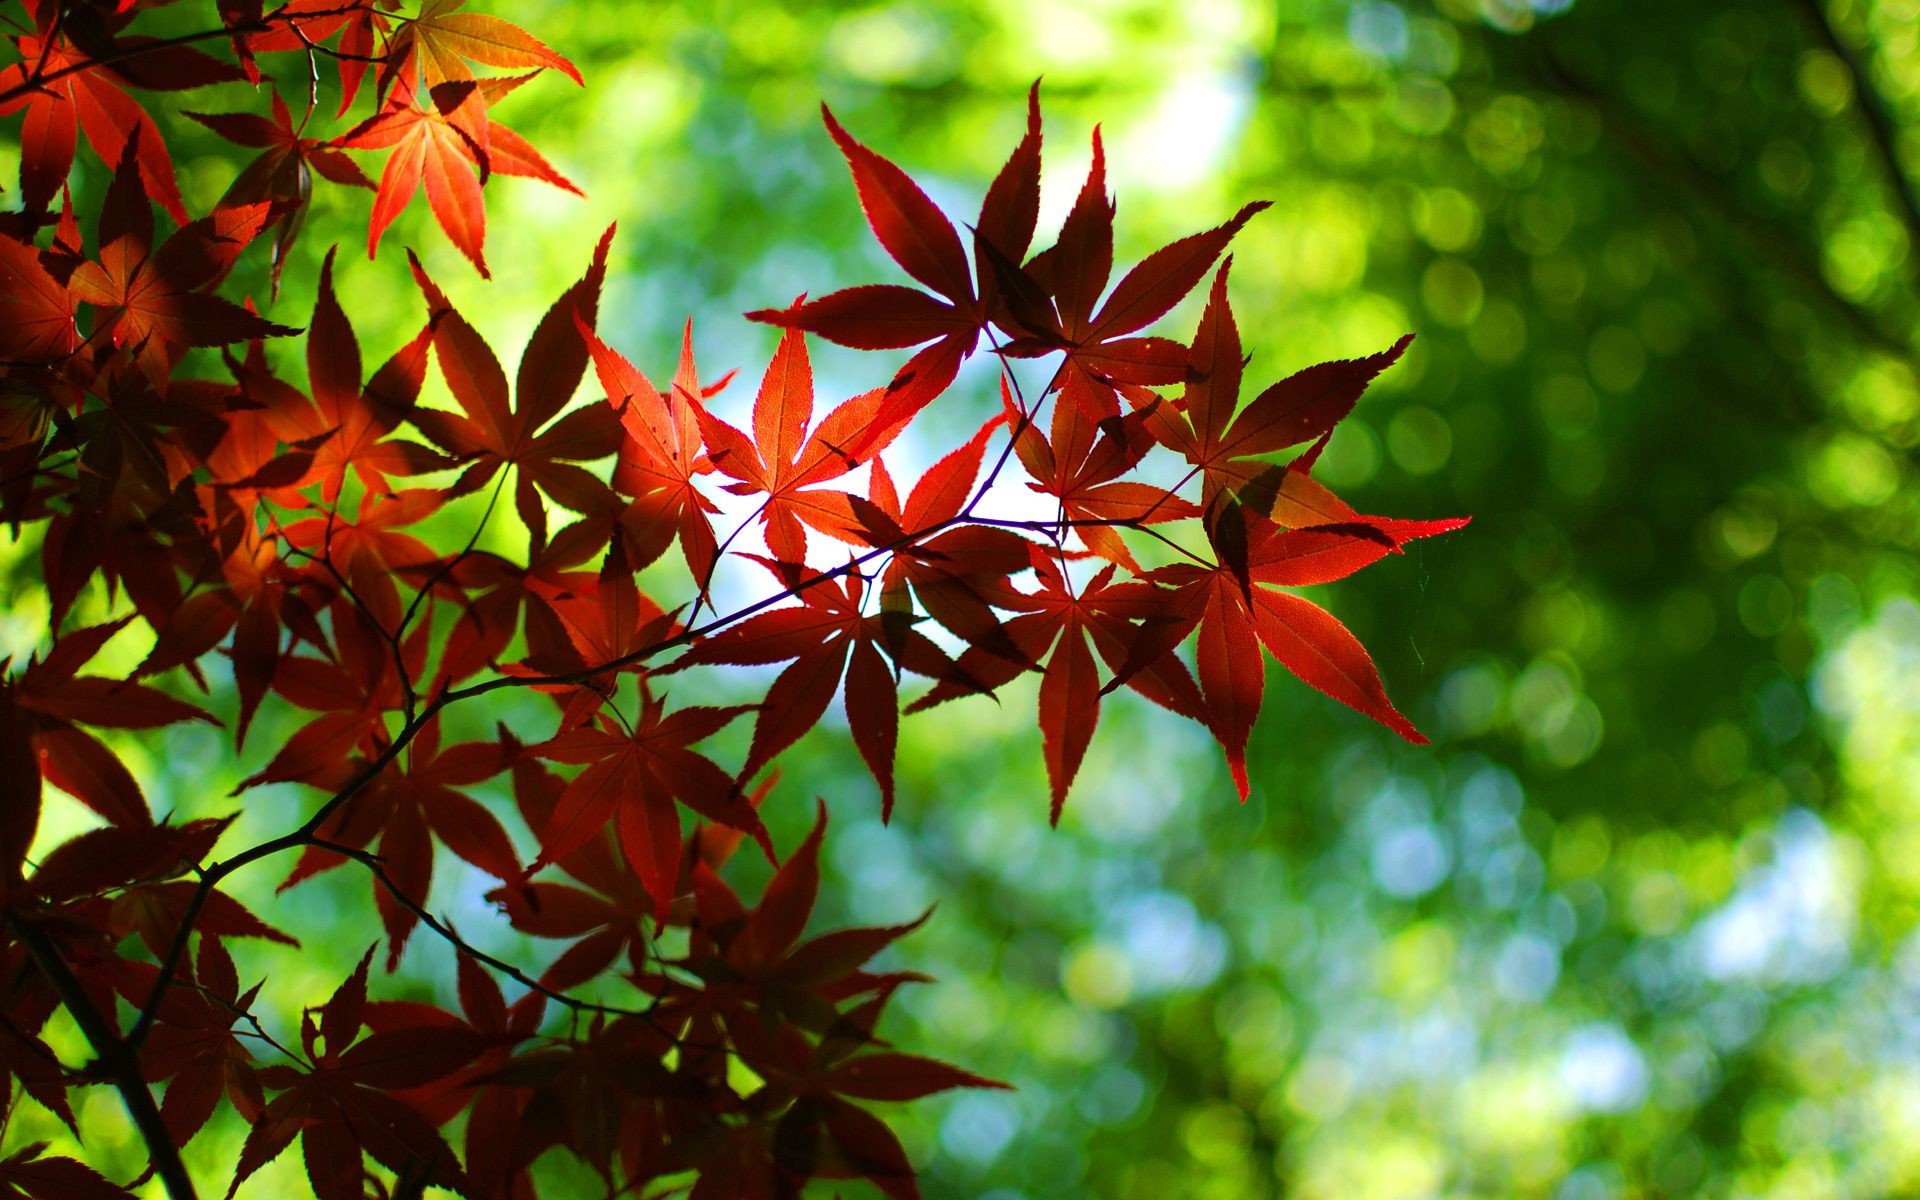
{"x": 117, "y": 1060}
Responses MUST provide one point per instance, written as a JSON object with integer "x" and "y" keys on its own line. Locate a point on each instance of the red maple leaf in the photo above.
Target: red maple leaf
{"x": 827, "y": 635}
{"x": 1240, "y": 609}
{"x": 161, "y": 302}
{"x": 954, "y": 573}
{"x": 440, "y": 144}
{"x": 1203, "y": 426}
{"x": 497, "y": 432}
{"x": 1100, "y": 346}
{"x": 1081, "y": 467}
{"x": 440, "y": 41}
{"x": 193, "y": 1045}
{"x": 55, "y": 700}
{"x": 282, "y": 176}
{"x": 36, "y": 309}
{"x": 786, "y": 463}
{"x": 342, "y": 1105}
{"x": 1101, "y": 618}
{"x": 632, "y": 780}
{"x": 660, "y": 456}
{"x": 66, "y": 90}
{"x": 923, "y": 241}
{"x": 416, "y": 800}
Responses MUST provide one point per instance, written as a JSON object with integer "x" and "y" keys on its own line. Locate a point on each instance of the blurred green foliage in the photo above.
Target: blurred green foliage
{"x": 1641, "y": 922}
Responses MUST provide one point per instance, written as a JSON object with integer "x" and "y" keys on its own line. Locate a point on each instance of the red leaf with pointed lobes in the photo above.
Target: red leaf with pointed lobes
{"x": 1011, "y": 207}
{"x": 160, "y": 303}
{"x": 524, "y": 433}
{"x": 660, "y": 455}
{"x": 915, "y": 232}
{"x": 776, "y": 924}
{"x": 431, "y": 147}
{"x": 878, "y": 316}
{"x": 900, "y": 1077}
{"x": 30, "y": 1172}
{"x": 1163, "y": 278}
{"x": 36, "y": 311}
{"x": 783, "y": 461}
{"x": 441, "y": 38}
{"x": 822, "y": 634}
{"x": 633, "y": 780}
{"x": 1307, "y": 404}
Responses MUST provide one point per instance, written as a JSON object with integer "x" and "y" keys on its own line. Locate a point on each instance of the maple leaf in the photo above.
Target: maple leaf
{"x": 352, "y": 691}
{"x": 120, "y": 857}
{"x": 923, "y": 241}
{"x": 496, "y": 433}
{"x": 1081, "y": 464}
{"x": 31, "y": 1172}
{"x": 491, "y": 593}
{"x": 89, "y": 95}
{"x": 36, "y": 309}
{"x": 260, "y": 595}
{"x": 633, "y": 779}
{"x": 827, "y": 635}
{"x": 1100, "y": 618}
{"x": 761, "y": 975}
{"x": 20, "y": 817}
{"x": 485, "y": 1017}
{"x": 604, "y": 619}
{"x": 441, "y": 40}
{"x": 1099, "y": 345}
{"x": 159, "y": 301}
{"x": 611, "y": 916}
{"x": 1204, "y": 428}
{"x": 954, "y": 573}
{"x": 439, "y": 144}
{"x": 357, "y": 420}
{"x": 369, "y": 552}
{"x": 1239, "y": 610}
{"x": 784, "y": 462}
{"x": 406, "y": 807}
{"x": 343, "y": 1108}
{"x": 55, "y": 699}
{"x": 193, "y": 1045}
{"x": 756, "y": 958}
{"x": 660, "y": 455}
{"x": 153, "y": 909}
{"x": 282, "y": 176}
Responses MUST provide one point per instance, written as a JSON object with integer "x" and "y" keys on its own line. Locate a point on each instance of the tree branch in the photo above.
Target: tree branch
{"x": 115, "y": 1058}
{"x": 1764, "y": 238}
{"x": 1882, "y": 129}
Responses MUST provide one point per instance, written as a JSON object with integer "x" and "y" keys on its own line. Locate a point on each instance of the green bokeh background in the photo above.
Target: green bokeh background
{"x": 1640, "y": 922}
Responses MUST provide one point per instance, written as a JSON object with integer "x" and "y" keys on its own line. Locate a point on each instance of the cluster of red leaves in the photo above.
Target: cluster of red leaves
{"x": 284, "y": 540}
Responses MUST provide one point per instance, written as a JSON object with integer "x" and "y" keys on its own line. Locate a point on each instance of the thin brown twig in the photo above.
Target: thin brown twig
{"x": 377, "y": 868}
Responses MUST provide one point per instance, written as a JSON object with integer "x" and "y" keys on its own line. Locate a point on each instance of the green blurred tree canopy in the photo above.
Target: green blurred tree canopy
{"x": 1642, "y": 921}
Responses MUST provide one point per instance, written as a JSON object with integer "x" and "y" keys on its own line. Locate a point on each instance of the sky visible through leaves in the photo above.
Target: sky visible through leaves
{"x": 1641, "y": 921}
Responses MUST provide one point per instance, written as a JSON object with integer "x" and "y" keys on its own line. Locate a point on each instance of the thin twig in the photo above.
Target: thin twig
{"x": 373, "y": 864}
